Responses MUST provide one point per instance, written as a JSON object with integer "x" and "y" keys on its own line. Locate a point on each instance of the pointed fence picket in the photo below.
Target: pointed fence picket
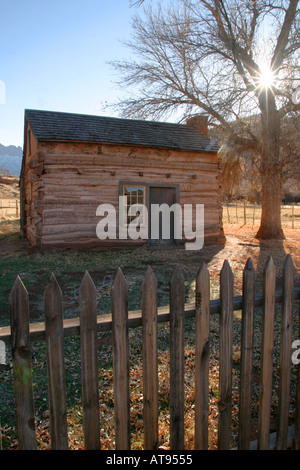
{"x": 150, "y": 360}
{"x": 246, "y": 356}
{"x": 54, "y": 334}
{"x": 265, "y": 390}
{"x": 225, "y": 356}
{"x": 19, "y": 314}
{"x": 89, "y": 362}
{"x": 285, "y": 359}
{"x": 21, "y": 333}
{"x": 177, "y": 360}
{"x": 202, "y": 317}
{"x": 120, "y": 346}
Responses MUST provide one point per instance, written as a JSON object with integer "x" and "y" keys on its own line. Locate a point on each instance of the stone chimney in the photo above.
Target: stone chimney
{"x": 199, "y": 122}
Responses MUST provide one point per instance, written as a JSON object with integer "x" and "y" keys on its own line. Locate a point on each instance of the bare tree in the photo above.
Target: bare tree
{"x": 137, "y": 3}
{"x": 214, "y": 57}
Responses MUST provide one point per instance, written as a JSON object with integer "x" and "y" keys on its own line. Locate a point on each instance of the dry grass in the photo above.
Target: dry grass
{"x": 241, "y": 244}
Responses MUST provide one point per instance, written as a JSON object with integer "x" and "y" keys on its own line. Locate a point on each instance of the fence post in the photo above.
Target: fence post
{"x": 119, "y": 299}
{"x": 285, "y": 354}
{"x": 19, "y": 318}
{"x": 150, "y": 361}
{"x": 228, "y": 215}
{"x": 253, "y": 220}
{"x": 225, "y": 356}
{"x": 265, "y": 393}
{"x": 54, "y": 334}
{"x": 177, "y": 360}
{"x": 246, "y": 356}
{"x": 202, "y": 314}
{"x": 89, "y": 362}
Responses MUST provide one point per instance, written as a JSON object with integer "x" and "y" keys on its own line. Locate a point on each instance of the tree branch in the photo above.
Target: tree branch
{"x": 283, "y": 37}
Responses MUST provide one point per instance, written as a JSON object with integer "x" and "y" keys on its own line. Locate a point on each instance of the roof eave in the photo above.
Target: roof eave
{"x": 124, "y": 144}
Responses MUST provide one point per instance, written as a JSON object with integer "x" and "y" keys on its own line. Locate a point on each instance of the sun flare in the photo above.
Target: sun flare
{"x": 266, "y": 77}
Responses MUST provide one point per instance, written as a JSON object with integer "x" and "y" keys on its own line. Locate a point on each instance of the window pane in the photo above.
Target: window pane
{"x": 140, "y": 195}
{"x": 126, "y": 190}
{"x": 135, "y": 195}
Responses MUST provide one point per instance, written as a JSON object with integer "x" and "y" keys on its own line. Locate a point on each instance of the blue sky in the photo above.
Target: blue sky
{"x": 54, "y": 55}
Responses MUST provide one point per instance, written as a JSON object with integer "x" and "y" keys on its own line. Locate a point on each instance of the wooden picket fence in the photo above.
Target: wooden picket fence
{"x": 53, "y": 331}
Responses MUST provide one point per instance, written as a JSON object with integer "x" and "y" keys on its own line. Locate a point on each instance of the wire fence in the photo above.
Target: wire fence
{"x": 243, "y": 212}
{"x": 9, "y": 208}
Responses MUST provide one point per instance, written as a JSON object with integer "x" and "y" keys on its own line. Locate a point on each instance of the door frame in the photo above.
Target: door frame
{"x": 173, "y": 186}
{"x": 148, "y": 186}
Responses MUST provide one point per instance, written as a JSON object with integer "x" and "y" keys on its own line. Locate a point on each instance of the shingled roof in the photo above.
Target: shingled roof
{"x": 69, "y": 127}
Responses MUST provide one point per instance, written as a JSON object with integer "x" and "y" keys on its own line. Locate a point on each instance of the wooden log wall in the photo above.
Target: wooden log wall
{"x": 32, "y": 172}
{"x": 66, "y": 182}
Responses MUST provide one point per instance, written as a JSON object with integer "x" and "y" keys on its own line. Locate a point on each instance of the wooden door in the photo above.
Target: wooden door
{"x": 162, "y": 195}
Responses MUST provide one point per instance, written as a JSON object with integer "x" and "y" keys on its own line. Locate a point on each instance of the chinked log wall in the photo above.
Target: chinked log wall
{"x": 65, "y": 183}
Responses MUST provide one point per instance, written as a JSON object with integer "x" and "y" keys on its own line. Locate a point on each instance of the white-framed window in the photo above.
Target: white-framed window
{"x": 135, "y": 196}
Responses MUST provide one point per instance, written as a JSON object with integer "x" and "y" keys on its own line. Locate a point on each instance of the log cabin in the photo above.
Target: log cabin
{"x": 74, "y": 163}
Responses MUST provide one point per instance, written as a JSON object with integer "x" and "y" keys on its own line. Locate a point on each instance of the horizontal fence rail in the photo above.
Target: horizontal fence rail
{"x": 104, "y": 320}
{"x": 20, "y": 334}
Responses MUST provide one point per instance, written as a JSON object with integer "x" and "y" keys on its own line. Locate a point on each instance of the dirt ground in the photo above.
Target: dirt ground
{"x": 240, "y": 245}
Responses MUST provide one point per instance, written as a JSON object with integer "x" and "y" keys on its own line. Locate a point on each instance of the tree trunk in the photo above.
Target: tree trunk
{"x": 270, "y": 225}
